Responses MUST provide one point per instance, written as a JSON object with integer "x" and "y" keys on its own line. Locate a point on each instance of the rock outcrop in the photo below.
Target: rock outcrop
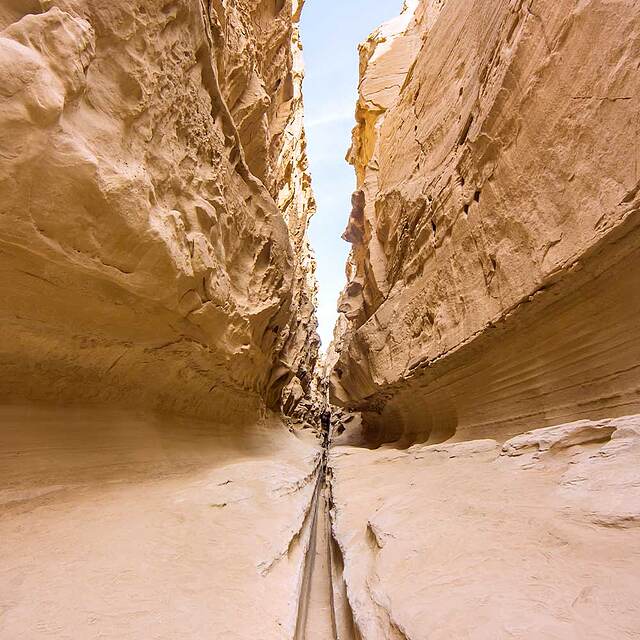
{"x": 127, "y": 525}
{"x": 159, "y": 356}
{"x": 154, "y": 201}
{"x": 536, "y": 537}
{"x": 495, "y": 228}
{"x": 485, "y": 483}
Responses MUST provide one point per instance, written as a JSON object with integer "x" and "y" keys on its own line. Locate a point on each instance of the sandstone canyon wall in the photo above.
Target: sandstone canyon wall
{"x": 154, "y": 205}
{"x": 494, "y": 273}
{"x": 158, "y": 352}
{"x": 486, "y": 483}
{"x": 157, "y": 312}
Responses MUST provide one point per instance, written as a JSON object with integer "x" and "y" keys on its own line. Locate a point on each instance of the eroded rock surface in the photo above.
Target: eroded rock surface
{"x": 495, "y": 228}
{"x": 534, "y": 538}
{"x": 158, "y": 319}
{"x": 158, "y": 353}
{"x": 483, "y": 471}
{"x": 127, "y": 525}
{"x": 154, "y": 205}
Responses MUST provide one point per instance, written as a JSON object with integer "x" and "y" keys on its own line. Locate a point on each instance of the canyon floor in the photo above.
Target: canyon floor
{"x": 118, "y": 525}
{"x": 533, "y": 538}
{"x": 121, "y": 526}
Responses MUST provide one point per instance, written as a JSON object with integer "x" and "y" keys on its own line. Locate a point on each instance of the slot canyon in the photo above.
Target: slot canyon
{"x": 178, "y": 457}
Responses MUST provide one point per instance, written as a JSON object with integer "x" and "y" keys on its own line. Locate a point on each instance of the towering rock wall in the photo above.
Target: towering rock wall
{"x": 490, "y": 328}
{"x": 154, "y": 201}
{"x": 157, "y": 299}
{"x": 495, "y": 227}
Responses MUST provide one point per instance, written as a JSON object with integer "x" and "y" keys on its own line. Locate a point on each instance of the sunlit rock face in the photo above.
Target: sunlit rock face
{"x": 489, "y": 330}
{"x": 481, "y": 477}
{"x": 495, "y": 226}
{"x": 154, "y": 201}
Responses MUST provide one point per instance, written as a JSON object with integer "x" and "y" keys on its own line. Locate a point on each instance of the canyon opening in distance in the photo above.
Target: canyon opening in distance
{"x": 179, "y": 461}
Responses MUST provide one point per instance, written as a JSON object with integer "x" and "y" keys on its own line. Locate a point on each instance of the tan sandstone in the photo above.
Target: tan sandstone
{"x": 158, "y": 296}
{"x": 494, "y": 272}
{"x": 534, "y": 538}
{"x": 154, "y": 205}
{"x": 485, "y": 484}
{"x": 158, "y": 372}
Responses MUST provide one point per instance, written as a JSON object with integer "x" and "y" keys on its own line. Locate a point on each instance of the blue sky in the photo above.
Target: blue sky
{"x": 331, "y": 31}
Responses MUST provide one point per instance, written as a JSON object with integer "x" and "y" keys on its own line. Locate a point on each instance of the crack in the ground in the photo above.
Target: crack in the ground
{"x": 315, "y": 588}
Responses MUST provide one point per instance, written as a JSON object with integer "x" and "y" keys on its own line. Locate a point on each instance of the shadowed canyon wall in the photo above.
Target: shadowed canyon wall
{"x": 154, "y": 205}
{"x": 495, "y": 227}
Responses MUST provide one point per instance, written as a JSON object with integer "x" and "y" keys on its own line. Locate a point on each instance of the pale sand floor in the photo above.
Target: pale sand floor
{"x": 470, "y": 541}
{"x": 118, "y": 526}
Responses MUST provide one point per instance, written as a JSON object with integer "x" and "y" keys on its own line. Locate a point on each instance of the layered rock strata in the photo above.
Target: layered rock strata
{"x": 121, "y": 524}
{"x": 495, "y": 228}
{"x": 154, "y": 205}
{"x": 489, "y": 331}
{"x": 154, "y": 201}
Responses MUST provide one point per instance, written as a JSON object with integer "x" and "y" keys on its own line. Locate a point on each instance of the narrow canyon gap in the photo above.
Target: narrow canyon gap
{"x": 176, "y": 460}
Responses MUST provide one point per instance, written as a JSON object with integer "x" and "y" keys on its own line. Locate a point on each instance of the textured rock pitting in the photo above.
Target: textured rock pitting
{"x": 152, "y": 249}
